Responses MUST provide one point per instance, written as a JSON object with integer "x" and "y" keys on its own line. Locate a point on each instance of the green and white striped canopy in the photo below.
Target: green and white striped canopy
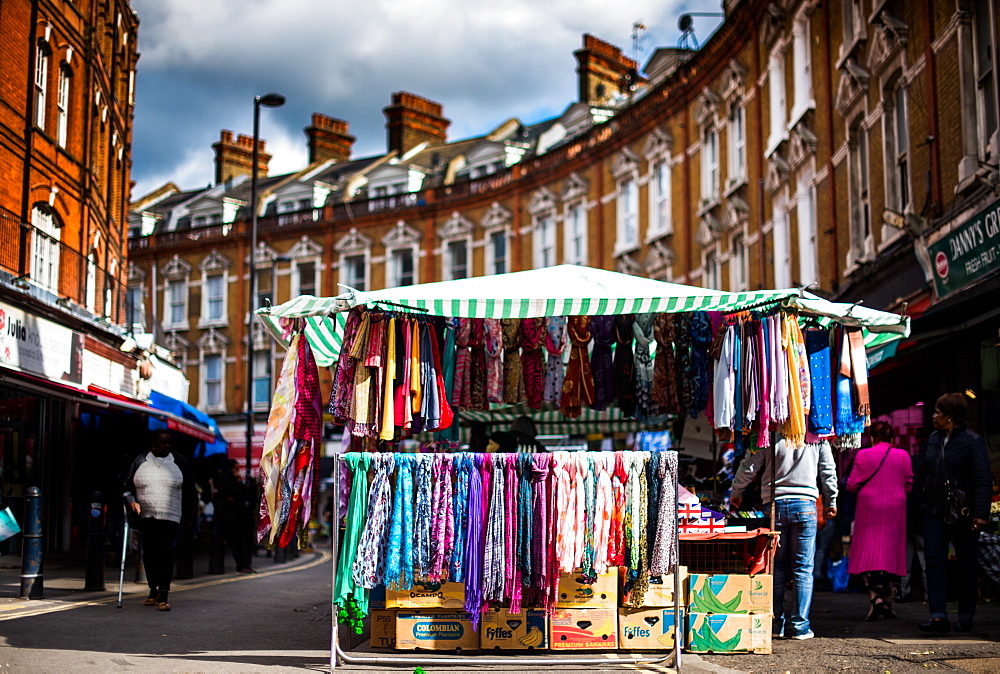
{"x": 563, "y": 290}
{"x": 551, "y": 420}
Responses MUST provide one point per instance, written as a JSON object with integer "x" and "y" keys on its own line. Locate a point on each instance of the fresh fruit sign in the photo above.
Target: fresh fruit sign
{"x": 967, "y": 253}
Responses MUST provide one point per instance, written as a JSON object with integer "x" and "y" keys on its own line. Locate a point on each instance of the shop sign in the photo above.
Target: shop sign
{"x": 967, "y": 253}
{"x": 40, "y": 346}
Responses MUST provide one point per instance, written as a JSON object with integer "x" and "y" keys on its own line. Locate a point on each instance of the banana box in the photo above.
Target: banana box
{"x": 583, "y": 629}
{"x": 503, "y": 630}
{"x": 427, "y": 595}
{"x": 730, "y": 593}
{"x": 642, "y": 628}
{"x": 660, "y": 592}
{"x": 728, "y": 633}
{"x": 435, "y": 631}
{"x": 383, "y": 629}
{"x": 576, "y": 592}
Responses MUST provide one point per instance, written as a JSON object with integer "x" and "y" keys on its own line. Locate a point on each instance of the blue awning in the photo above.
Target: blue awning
{"x": 209, "y": 444}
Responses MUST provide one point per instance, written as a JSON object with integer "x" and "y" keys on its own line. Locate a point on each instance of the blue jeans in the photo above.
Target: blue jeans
{"x": 937, "y": 534}
{"x": 795, "y": 556}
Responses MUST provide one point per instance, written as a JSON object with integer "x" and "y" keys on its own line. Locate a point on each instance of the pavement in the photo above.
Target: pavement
{"x": 279, "y": 620}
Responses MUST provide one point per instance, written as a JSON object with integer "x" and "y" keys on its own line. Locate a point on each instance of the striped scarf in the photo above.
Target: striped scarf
{"x": 472, "y": 566}
{"x": 493, "y": 554}
{"x": 399, "y": 561}
{"x": 443, "y": 525}
{"x": 369, "y": 564}
{"x": 463, "y": 466}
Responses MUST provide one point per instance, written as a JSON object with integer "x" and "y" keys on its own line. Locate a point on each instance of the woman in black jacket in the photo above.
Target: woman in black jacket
{"x": 956, "y": 456}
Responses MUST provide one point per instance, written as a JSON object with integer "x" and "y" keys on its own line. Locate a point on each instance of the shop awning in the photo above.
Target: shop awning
{"x": 180, "y": 416}
{"x": 169, "y": 419}
{"x": 553, "y": 421}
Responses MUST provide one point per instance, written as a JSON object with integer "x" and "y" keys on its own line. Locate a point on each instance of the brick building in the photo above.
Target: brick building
{"x": 834, "y": 145}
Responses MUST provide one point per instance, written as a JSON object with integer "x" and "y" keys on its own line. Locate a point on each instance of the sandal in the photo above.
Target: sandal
{"x": 149, "y": 601}
{"x": 163, "y": 606}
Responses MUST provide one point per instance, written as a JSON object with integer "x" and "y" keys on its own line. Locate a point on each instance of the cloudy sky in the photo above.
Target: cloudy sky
{"x": 202, "y": 62}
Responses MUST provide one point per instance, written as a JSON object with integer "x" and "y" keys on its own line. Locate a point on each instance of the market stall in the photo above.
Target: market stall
{"x": 564, "y": 338}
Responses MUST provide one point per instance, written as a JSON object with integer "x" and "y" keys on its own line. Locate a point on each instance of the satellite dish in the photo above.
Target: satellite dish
{"x": 685, "y": 23}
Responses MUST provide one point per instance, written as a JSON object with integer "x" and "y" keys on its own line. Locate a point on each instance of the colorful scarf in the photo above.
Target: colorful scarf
{"x": 602, "y": 328}
{"x": 578, "y": 386}
{"x": 443, "y": 526}
{"x": 477, "y": 344}
{"x": 472, "y": 567}
{"x": 542, "y": 542}
{"x": 603, "y": 510}
{"x": 463, "y": 467}
{"x": 495, "y": 376}
{"x": 624, "y": 365}
{"x": 701, "y": 339}
{"x": 555, "y": 371}
{"x": 344, "y": 586}
{"x": 423, "y": 466}
{"x": 821, "y": 407}
{"x": 663, "y": 559}
{"x": 461, "y": 395}
{"x": 369, "y": 563}
{"x": 666, "y": 378}
{"x": 342, "y": 392}
{"x": 278, "y": 439}
{"x": 399, "y": 560}
{"x": 532, "y": 360}
{"x": 513, "y": 382}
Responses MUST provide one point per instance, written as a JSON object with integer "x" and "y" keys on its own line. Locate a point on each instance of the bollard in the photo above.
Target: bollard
{"x": 95, "y": 544}
{"x": 32, "y": 586}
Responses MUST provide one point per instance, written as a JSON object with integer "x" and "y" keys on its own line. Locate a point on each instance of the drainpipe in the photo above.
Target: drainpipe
{"x": 930, "y": 72}
{"x": 687, "y": 194}
{"x": 762, "y": 258}
{"x": 29, "y": 135}
{"x": 832, "y": 177}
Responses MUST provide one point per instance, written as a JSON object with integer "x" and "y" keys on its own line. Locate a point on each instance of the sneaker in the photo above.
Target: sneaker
{"x": 246, "y": 570}
{"x": 964, "y": 625}
{"x": 804, "y": 636}
{"x": 938, "y": 625}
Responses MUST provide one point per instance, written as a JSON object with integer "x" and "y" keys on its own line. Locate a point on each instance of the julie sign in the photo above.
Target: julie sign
{"x": 968, "y": 252}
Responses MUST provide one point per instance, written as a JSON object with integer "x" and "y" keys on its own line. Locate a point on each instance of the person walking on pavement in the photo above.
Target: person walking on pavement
{"x": 956, "y": 460}
{"x": 231, "y": 498}
{"x": 795, "y": 475}
{"x": 159, "y": 489}
{"x": 881, "y": 477}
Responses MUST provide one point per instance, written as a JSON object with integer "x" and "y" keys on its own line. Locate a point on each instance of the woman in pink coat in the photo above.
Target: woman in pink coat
{"x": 881, "y": 477}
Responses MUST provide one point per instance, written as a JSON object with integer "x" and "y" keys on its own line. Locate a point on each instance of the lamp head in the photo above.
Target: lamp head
{"x": 271, "y": 100}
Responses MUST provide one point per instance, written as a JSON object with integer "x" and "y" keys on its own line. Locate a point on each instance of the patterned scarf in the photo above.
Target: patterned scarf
{"x": 525, "y": 518}
{"x": 369, "y": 563}
{"x": 493, "y": 555}
{"x": 461, "y": 394}
{"x": 555, "y": 371}
{"x": 653, "y": 498}
{"x": 463, "y": 466}
{"x": 278, "y": 439}
{"x": 585, "y": 471}
{"x": 513, "y": 382}
{"x": 578, "y": 387}
{"x": 603, "y": 510}
{"x": 541, "y": 539}
{"x": 448, "y": 356}
{"x": 532, "y": 368}
{"x": 685, "y": 364}
{"x": 399, "y": 561}
{"x": 701, "y": 339}
{"x": 820, "y": 408}
{"x": 342, "y": 391}
{"x": 624, "y": 365}
{"x": 666, "y": 378}
{"x": 477, "y": 344}
{"x": 663, "y": 560}
{"x": 472, "y": 566}
{"x": 512, "y": 572}
{"x": 495, "y": 376}
{"x": 616, "y": 538}
{"x": 638, "y": 573}
{"x": 647, "y": 411}
{"x": 602, "y": 328}
{"x": 344, "y": 586}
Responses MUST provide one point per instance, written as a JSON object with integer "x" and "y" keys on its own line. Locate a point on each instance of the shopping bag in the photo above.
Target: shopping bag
{"x": 836, "y": 571}
{"x": 8, "y": 525}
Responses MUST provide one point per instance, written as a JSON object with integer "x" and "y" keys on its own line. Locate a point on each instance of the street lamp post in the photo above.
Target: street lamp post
{"x": 268, "y": 101}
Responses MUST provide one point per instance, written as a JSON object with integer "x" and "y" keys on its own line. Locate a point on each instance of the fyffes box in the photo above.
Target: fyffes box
{"x": 583, "y": 629}
{"x": 641, "y": 628}
{"x": 659, "y": 593}
{"x": 427, "y": 595}
{"x": 500, "y": 629}
{"x": 435, "y": 631}
{"x": 728, "y": 633}
{"x": 575, "y": 592}
{"x": 730, "y": 593}
{"x": 383, "y": 629}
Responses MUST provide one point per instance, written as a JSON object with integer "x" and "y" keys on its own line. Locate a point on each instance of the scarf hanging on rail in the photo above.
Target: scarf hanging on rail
{"x": 821, "y": 407}
{"x": 586, "y": 467}
{"x": 701, "y": 339}
{"x": 360, "y": 406}
{"x": 461, "y": 395}
{"x": 443, "y": 520}
{"x": 652, "y": 499}
{"x": 422, "y": 515}
{"x": 472, "y": 568}
{"x": 616, "y": 538}
{"x": 555, "y": 371}
{"x": 512, "y": 574}
{"x": 578, "y": 386}
{"x": 369, "y": 563}
{"x": 351, "y": 598}
{"x": 388, "y": 426}
{"x": 449, "y": 355}
{"x": 604, "y": 510}
{"x": 685, "y": 364}
{"x": 533, "y": 335}
{"x": 602, "y": 329}
{"x": 493, "y": 343}
{"x": 624, "y": 365}
{"x": 343, "y": 389}
{"x": 399, "y": 560}
{"x": 849, "y": 423}
{"x": 663, "y": 559}
{"x": 513, "y": 382}
{"x": 762, "y": 345}
{"x": 525, "y": 521}
{"x": 493, "y": 554}
{"x": 666, "y": 378}
{"x": 463, "y": 466}
{"x": 542, "y": 543}
{"x": 477, "y": 345}
{"x": 278, "y": 442}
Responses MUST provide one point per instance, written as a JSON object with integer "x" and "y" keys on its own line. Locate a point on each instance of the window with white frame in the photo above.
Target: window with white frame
{"x": 737, "y": 144}
{"x": 354, "y": 271}
{"x": 496, "y": 253}
{"x": 91, "y": 289}
{"x": 214, "y": 302}
{"x": 986, "y": 94}
{"x": 739, "y": 271}
{"x": 62, "y": 105}
{"x": 305, "y": 277}
{"x": 212, "y": 373}
{"x": 628, "y": 214}
{"x": 41, "y": 82}
{"x": 575, "y": 248}
{"x": 781, "y": 241}
{"x": 712, "y": 274}
{"x": 897, "y": 149}
{"x": 45, "y": 249}
{"x": 456, "y": 262}
{"x": 659, "y": 199}
{"x": 545, "y": 240}
{"x": 402, "y": 270}
{"x": 858, "y": 167}
{"x": 776, "y": 98}
{"x": 709, "y": 165}
{"x": 177, "y": 298}
{"x": 109, "y": 296}
{"x": 806, "y": 216}
{"x": 262, "y": 363}
{"x": 135, "y": 309}
{"x": 802, "y": 64}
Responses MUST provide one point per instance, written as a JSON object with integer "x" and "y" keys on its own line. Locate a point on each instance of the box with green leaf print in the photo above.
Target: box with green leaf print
{"x": 728, "y": 633}
{"x": 730, "y": 593}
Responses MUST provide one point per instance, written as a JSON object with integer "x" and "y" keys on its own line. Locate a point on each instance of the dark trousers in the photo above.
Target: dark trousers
{"x": 158, "y": 537}
{"x": 937, "y": 535}
{"x": 236, "y": 532}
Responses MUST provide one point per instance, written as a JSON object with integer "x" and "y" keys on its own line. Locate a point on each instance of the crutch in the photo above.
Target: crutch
{"x": 121, "y": 577}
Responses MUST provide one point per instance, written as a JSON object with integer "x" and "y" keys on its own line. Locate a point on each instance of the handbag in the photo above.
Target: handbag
{"x": 877, "y": 469}
{"x": 956, "y": 503}
{"x": 8, "y": 525}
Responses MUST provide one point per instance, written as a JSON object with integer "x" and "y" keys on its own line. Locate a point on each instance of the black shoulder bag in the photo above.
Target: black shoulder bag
{"x": 956, "y": 504}
{"x": 877, "y": 469}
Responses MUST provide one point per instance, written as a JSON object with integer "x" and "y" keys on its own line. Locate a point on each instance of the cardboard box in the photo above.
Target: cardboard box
{"x": 376, "y": 598}
{"x": 503, "y": 630}
{"x": 729, "y": 633}
{"x": 642, "y": 628}
{"x": 659, "y": 594}
{"x": 427, "y": 595}
{"x": 730, "y": 593}
{"x": 435, "y": 631}
{"x": 575, "y": 593}
{"x": 583, "y": 629}
{"x": 383, "y": 629}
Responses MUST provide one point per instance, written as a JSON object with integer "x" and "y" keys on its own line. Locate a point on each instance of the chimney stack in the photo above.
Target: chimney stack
{"x": 328, "y": 139}
{"x": 603, "y": 71}
{"x": 412, "y": 120}
{"x": 234, "y": 157}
